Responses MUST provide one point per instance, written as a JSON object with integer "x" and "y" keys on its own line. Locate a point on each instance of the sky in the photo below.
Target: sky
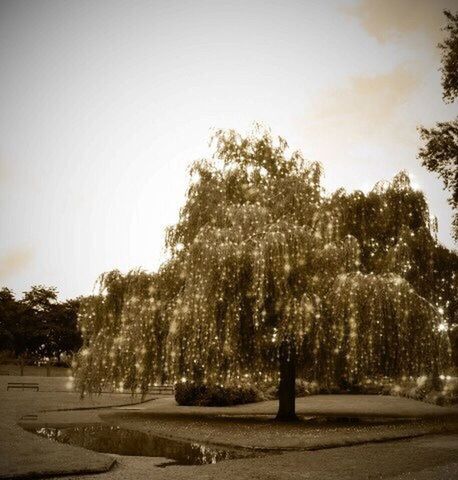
{"x": 105, "y": 104}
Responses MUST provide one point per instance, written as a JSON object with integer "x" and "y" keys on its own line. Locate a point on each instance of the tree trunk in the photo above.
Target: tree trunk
{"x": 435, "y": 378}
{"x": 287, "y": 387}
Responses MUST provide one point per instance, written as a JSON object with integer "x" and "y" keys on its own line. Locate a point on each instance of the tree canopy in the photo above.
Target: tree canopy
{"x": 266, "y": 268}
{"x": 449, "y": 48}
{"x": 440, "y": 151}
{"x": 38, "y": 326}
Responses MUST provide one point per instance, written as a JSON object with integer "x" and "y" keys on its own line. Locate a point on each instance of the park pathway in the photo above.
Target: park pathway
{"x": 23, "y": 453}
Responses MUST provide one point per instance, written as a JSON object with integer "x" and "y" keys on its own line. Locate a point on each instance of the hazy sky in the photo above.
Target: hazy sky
{"x": 103, "y": 105}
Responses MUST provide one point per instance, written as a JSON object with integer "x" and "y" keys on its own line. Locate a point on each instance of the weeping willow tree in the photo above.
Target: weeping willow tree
{"x": 125, "y": 329}
{"x": 268, "y": 276}
{"x": 396, "y": 233}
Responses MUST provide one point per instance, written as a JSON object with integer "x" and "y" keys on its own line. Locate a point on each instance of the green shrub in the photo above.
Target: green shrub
{"x": 270, "y": 392}
{"x": 450, "y": 390}
{"x": 216, "y": 395}
{"x": 188, "y": 393}
{"x": 423, "y": 388}
{"x": 303, "y": 389}
{"x": 329, "y": 390}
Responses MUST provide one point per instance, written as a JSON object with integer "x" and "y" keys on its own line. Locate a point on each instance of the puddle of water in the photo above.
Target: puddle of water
{"x": 113, "y": 439}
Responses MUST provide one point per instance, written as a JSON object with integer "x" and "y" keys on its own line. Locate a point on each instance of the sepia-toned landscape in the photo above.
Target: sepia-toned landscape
{"x": 228, "y": 242}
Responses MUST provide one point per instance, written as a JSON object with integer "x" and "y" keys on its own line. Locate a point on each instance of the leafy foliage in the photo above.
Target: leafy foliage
{"x": 125, "y": 329}
{"x": 440, "y": 155}
{"x": 38, "y": 326}
{"x": 187, "y": 393}
{"x": 440, "y": 152}
{"x": 260, "y": 258}
{"x": 396, "y": 234}
{"x": 10, "y": 310}
{"x": 449, "y": 49}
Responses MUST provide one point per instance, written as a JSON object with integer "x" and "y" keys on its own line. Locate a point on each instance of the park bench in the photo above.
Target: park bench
{"x": 162, "y": 389}
{"x": 22, "y": 386}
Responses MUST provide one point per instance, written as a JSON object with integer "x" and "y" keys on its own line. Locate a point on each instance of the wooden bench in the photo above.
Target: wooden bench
{"x": 162, "y": 389}
{"x": 22, "y": 386}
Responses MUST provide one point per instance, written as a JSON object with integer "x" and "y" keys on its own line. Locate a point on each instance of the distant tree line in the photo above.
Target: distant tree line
{"x": 38, "y": 327}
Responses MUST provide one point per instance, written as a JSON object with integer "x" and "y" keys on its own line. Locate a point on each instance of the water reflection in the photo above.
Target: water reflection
{"x": 113, "y": 439}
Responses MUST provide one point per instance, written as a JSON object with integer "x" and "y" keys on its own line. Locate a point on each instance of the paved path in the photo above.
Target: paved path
{"x": 426, "y": 458}
{"x": 22, "y": 453}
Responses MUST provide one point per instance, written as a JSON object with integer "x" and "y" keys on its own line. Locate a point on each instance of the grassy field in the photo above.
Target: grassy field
{"x": 34, "y": 371}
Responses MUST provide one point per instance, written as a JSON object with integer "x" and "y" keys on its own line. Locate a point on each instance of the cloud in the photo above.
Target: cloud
{"x": 388, "y": 20}
{"x": 14, "y": 261}
{"x": 365, "y": 107}
{"x": 364, "y": 130}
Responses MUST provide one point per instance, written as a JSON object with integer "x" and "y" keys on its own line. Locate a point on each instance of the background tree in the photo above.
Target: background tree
{"x": 440, "y": 152}
{"x": 61, "y": 333}
{"x": 267, "y": 276}
{"x": 40, "y": 298}
{"x": 38, "y": 326}
{"x": 36, "y": 320}
{"x": 124, "y": 329}
{"x": 10, "y": 312}
{"x": 449, "y": 49}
